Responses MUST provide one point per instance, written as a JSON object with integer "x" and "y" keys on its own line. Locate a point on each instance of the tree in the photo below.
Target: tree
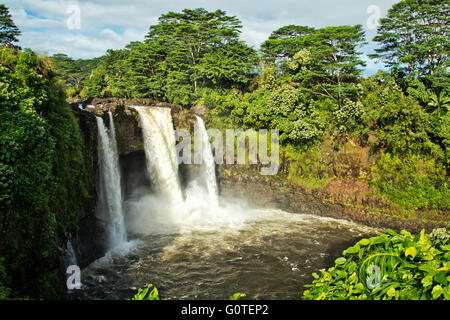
{"x": 182, "y": 53}
{"x": 73, "y": 72}
{"x": 285, "y": 42}
{"x": 46, "y": 184}
{"x": 67, "y": 69}
{"x": 146, "y": 69}
{"x": 110, "y": 78}
{"x": 228, "y": 66}
{"x": 415, "y": 36}
{"x": 8, "y": 30}
{"x": 193, "y": 39}
{"x": 329, "y": 66}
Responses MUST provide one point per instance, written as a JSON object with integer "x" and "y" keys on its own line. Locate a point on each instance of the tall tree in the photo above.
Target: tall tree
{"x": 191, "y": 35}
{"x": 329, "y": 67}
{"x": 67, "y": 69}
{"x": 415, "y": 36}
{"x": 8, "y": 30}
{"x": 147, "y": 70}
{"x": 110, "y": 77}
{"x": 285, "y": 42}
{"x": 73, "y": 72}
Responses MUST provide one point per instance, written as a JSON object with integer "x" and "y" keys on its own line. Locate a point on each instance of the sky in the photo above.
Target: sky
{"x": 87, "y": 28}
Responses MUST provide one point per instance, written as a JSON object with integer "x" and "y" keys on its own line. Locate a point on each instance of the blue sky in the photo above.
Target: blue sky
{"x": 47, "y": 25}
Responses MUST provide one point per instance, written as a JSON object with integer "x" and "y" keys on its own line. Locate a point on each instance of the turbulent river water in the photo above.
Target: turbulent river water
{"x": 269, "y": 257}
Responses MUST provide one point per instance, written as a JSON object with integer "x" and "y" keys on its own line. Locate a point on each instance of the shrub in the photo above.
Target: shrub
{"x": 148, "y": 293}
{"x": 412, "y": 181}
{"x": 392, "y": 266}
{"x": 44, "y": 175}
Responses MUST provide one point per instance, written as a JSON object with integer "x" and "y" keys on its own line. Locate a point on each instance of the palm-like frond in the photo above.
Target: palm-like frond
{"x": 376, "y": 267}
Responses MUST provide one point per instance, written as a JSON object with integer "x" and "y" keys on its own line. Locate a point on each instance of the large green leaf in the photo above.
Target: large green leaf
{"x": 411, "y": 251}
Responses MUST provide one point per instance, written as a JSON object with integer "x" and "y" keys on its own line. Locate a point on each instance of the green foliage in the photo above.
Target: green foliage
{"x": 328, "y": 67}
{"x": 295, "y": 115}
{"x": 441, "y": 236}
{"x": 44, "y": 180}
{"x": 148, "y": 293}
{"x": 285, "y": 42}
{"x": 392, "y": 266}
{"x": 285, "y": 108}
{"x": 415, "y": 37}
{"x": 237, "y": 296}
{"x": 95, "y": 85}
{"x": 183, "y": 53}
{"x": 401, "y": 123}
{"x": 412, "y": 182}
{"x": 306, "y": 167}
{"x": 73, "y": 72}
{"x": 109, "y": 78}
{"x": 8, "y": 30}
{"x": 350, "y": 116}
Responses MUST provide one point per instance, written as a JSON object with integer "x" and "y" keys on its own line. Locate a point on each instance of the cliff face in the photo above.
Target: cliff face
{"x": 342, "y": 197}
{"x": 89, "y": 240}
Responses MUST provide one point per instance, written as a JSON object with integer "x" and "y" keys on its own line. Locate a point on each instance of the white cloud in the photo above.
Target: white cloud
{"x": 112, "y": 24}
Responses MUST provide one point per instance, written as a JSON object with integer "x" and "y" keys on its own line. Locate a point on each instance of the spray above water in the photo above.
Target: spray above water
{"x": 165, "y": 211}
{"x": 110, "y": 195}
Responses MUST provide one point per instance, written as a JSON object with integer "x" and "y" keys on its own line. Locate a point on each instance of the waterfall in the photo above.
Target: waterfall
{"x": 69, "y": 257}
{"x": 110, "y": 184}
{"x": 209, "y": 167}
{"x": 160, "y": 152}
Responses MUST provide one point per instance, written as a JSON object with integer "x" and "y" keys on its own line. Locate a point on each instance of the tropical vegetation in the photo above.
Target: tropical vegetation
{"x": 392, "y": 266}
{"x": 306, "y": 82}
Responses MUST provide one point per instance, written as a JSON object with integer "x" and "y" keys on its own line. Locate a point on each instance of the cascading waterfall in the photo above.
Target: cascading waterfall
{"x": 110, "y": 183}
{"x": 160, "y": 152}
{"x": 208, "y": 165}
{"x": 69, "y": 258}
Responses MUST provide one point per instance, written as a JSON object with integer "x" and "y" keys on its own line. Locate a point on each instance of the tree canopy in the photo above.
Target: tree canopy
{"x": 415, "y": 36}
{"x": 182, "y": 53}
{"x": 8, "y": 30}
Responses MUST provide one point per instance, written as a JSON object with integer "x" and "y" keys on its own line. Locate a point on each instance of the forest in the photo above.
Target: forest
{"x": 306, "y": 82}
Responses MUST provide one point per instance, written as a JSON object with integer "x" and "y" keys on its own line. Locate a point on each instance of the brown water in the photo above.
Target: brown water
{"x": 271, "y": 257}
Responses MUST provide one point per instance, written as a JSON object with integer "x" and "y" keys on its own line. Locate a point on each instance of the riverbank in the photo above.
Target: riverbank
{"x": 344, "y": 201}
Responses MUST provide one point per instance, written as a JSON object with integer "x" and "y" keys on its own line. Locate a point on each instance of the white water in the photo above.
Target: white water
{"x": 69, "y": 258}
{"x": 160, "y": 152}
{"x": 208, "y": 165}
{"x": 110, "y": 184}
